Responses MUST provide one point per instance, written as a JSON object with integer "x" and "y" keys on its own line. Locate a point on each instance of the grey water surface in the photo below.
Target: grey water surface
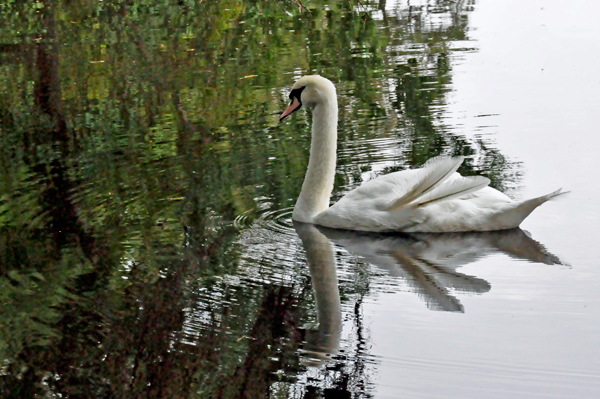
{"x": 146, "y": 190}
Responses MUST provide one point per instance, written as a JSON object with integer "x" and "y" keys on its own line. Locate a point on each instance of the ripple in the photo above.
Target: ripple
{"x": 272, "y": 250}
{"x": 243, "y": 221}
{"x": 279, "y": 220}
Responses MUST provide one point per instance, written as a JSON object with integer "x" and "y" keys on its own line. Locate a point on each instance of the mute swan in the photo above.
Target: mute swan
{"x": 433, "y": 198}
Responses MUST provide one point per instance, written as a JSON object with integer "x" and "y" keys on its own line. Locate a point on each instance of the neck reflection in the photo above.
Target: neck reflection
{"x": 325, "y": 341}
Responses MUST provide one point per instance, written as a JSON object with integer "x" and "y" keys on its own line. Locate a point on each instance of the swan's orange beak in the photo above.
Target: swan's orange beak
{"x": 294, "y": 106}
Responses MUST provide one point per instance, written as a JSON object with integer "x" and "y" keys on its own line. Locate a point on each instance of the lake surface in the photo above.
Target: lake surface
{"x": 146, "y": 241}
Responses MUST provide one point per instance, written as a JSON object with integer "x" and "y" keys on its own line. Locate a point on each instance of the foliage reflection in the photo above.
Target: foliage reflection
{"x": 138, "y": 139}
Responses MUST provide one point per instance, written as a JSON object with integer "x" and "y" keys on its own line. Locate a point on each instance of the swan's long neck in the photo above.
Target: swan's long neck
{"x": 318, "y": 182}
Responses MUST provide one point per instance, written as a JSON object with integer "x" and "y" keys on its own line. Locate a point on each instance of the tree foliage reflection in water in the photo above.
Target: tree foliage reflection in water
{"x": 134, "y": 133}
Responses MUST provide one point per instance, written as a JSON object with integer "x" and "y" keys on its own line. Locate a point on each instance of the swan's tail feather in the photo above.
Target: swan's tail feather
{"x": 435, "y": 172}
{"x": 529, "y": 205}
{"x": 554, "y": 194}
{"x": 513, "y": 217}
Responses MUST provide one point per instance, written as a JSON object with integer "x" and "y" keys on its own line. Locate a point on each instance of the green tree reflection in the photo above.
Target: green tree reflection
{"x": 134, "y": 132}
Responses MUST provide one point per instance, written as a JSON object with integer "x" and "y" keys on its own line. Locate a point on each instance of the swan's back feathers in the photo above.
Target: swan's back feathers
{"x": 434, "y": 184}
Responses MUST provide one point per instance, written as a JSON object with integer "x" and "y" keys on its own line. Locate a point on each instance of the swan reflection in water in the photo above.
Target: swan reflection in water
{"x": 325, "y": 340}
{"x": 428, "y": 263}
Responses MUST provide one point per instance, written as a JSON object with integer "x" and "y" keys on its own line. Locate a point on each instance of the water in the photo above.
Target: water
{"x": 147, "y": 188}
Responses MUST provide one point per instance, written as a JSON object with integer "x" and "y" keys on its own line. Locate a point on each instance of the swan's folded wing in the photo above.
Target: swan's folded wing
{"x": 457, "y": 187}
{"x": 433, "y": 174}
{"x": 367, "y": 208}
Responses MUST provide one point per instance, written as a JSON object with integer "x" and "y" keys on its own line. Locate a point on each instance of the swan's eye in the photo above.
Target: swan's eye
{"x": 296, "y": 93}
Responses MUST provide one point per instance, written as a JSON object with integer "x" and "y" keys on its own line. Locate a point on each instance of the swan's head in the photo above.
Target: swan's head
{"x": 309, "y": 91}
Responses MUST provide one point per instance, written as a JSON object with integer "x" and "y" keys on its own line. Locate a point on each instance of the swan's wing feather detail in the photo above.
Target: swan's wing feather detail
{"x": 458, "y": 187}
{"x": 434, "y": 173}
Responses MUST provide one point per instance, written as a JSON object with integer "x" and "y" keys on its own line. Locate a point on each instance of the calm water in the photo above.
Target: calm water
{"x": 147, "y": 247}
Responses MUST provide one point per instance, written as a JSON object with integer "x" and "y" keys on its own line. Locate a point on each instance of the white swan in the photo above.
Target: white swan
{"x": 433, "y": 198}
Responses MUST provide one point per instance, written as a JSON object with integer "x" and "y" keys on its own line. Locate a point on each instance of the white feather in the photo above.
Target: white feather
{"x": 432, "y": 175}
{"x": 459, "y": 187}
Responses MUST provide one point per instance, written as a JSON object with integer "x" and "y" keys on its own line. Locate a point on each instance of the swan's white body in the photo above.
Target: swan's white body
{"x": 432, "y": 199}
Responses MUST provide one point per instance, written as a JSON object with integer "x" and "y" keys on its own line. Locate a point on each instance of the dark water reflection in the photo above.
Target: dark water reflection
{"x": 145, "y": 249}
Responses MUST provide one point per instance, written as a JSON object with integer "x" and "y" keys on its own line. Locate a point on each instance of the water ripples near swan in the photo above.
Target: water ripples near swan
{"x": 271, "y": 249}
